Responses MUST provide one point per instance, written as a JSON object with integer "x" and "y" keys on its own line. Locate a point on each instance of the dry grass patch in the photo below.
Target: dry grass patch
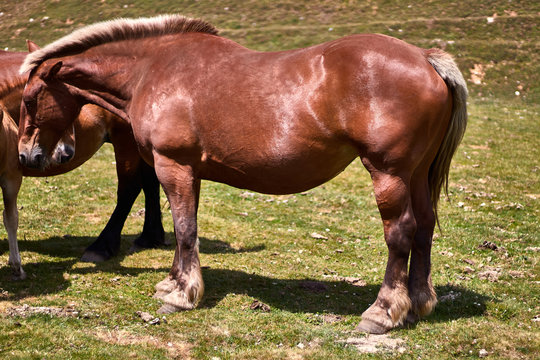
{"x": 175, "y": 349}
{"x": 372, "y": 344}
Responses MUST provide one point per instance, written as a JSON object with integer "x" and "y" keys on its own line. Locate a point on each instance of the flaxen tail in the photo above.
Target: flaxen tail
{"x": 445, "y": 65}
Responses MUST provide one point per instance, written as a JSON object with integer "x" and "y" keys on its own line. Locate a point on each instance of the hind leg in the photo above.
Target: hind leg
{"x": 393, "y": 302}
{"x": 10, "y": 190}
{"x": 153, "y": 234}
{"x": 107, "y": 244}
{"x": 421, "y": 291}
{"x": 133, "y": 175}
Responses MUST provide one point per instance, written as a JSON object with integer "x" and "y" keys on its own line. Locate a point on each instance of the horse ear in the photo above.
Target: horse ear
{"x": 53, "y": 71}
{"x": 32, "y": 46}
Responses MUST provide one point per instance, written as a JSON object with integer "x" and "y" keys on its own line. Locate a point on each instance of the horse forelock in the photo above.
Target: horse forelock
{"x": 115, "y": 30}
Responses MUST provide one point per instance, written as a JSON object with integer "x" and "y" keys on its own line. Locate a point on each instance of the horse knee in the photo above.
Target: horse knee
{"x": 400, "y": 234}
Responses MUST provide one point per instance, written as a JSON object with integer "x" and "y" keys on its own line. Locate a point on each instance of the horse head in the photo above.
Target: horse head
{"x": 48, "y": 111}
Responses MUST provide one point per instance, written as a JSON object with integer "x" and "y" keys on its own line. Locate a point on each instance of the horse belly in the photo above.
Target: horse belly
{"x": 285, "y": 174}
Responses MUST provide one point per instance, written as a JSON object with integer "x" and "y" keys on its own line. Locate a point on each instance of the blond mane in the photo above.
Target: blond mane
{"x": 115, "y": 30}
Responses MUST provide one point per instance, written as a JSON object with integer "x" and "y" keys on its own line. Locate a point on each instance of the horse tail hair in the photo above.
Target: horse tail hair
{"x": 447, "y": 69}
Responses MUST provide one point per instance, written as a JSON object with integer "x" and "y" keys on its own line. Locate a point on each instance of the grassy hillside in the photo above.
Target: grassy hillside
{"x": 260, "y": 248}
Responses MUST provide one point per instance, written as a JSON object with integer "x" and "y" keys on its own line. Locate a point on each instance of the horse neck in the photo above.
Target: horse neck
{"x": 108, "y": 85}
{"x": 11, "y": 82}
{"x": 11, "y": 99}
{"x": 8, "y": 135}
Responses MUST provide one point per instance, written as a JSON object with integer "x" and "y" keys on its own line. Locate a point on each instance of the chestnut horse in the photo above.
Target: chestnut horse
{"x": 93, "y": 126}
{"x": 204, "y": 107}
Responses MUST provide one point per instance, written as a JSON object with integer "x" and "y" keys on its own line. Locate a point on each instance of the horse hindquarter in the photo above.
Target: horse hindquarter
{"x": 398, "y": 122}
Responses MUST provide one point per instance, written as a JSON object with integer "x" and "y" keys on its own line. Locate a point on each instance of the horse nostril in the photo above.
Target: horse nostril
{"x": 66, "y": 157}
{"x": 22, "y": 159}
{"x": 37, "y": 159}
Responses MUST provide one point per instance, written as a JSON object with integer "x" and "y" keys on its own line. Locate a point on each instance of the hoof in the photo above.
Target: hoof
{"x": 411, "y": 318}
{"x": 164, "y": 288}
{"x": 174, "y": 302}
{"x": 136, "y": 248}
{"x": 146, "y": 241}
{"x": 175, "y": 299}
{"x": 94, "y": 257}
{"x": 371, "y": 327}
{"x": 179, "y": 300}
{"x": 18, "y": 275}
{"x": 160, "y": 294}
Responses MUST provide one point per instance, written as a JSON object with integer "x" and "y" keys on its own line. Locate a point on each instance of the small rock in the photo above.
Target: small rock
{"x": 483, "y": 353}
{"x": 490, "y": 275}
{"x": 516, "y": 274}
{"x": 148, "y": 318}
{"x": 318, "y": 236}
{"x": 257, "y": 305}
{"x": 468, "y": 270}
{"x": 451, "y": 296}
{"x": 139, "y": 213}
{"x": 331, "y": 318}
{"x": 247, "y": 194}
{"x": 354, "y": 281}
{"x": 488, "y": 245}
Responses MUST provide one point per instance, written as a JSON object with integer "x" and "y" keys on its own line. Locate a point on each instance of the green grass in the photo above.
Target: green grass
{"x": 259, "y": 247}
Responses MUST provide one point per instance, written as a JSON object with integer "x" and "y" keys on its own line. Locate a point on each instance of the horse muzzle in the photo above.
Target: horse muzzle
{"x": 33, "y": 158}
{"x": 63, "y": 153}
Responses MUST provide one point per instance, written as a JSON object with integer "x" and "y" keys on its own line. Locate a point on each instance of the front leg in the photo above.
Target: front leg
{"x": 183, "y": 287}
{"x": 10, "y": 189}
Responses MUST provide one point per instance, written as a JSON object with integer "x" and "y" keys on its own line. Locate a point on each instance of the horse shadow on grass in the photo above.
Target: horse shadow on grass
{"x": 74, "y": 246}
{"x": 46, "y": 276}
{"x": 295, "y": 295}
{"x": 328, "y": 296}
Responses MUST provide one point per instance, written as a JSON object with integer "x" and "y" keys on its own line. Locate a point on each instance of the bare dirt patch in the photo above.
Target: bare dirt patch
{"x": 176, "y": 349}
{"x": 372, "y": 344}
{"x": 27, "y": 310}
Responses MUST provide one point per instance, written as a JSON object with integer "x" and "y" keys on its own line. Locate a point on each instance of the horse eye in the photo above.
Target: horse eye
{"x": 28, "y": 103}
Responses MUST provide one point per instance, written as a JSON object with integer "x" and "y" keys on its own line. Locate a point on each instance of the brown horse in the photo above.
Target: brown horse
{"x": 203, "y": 107}
{"x": 93, "y": 126}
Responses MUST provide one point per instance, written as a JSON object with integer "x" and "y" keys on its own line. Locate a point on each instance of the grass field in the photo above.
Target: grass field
{"x": 261, "y": 248}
